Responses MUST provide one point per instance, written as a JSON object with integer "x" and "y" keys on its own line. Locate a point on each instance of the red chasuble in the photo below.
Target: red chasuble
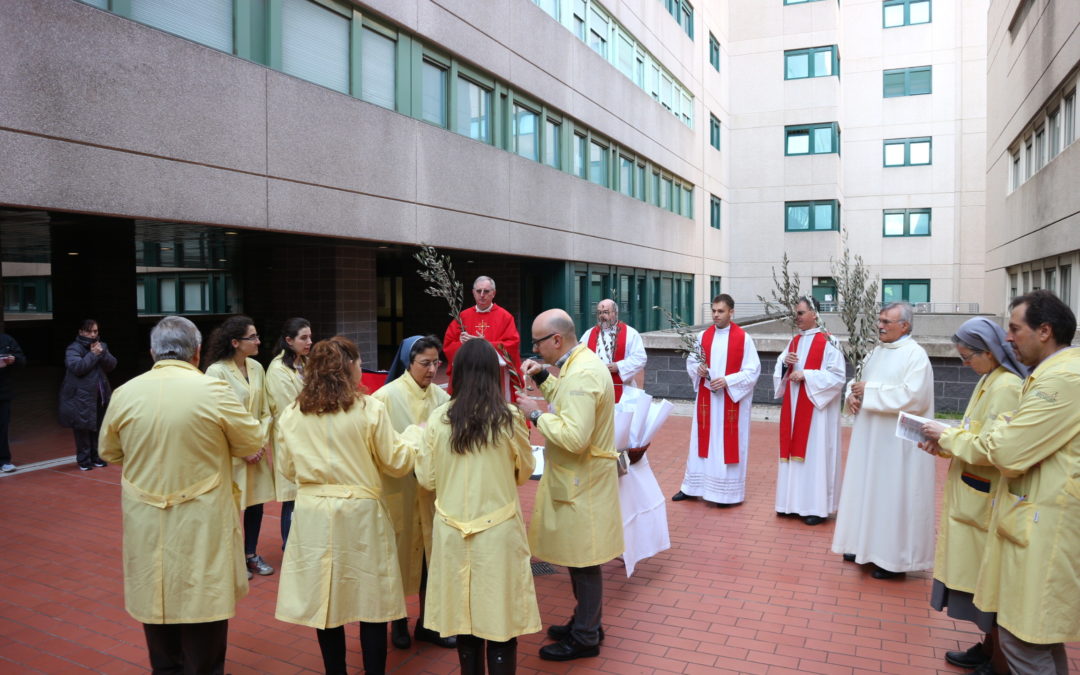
{"x": 793, "y": 440}
{"x": 730, "y": 411}
{"x": 619, "y": 354}
{"x": 496, "y": 326}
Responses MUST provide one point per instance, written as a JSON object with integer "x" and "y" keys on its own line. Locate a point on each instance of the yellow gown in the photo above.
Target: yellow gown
{"x": 176, "y": 433}
{"x": 340, "y": 562}
{"x": 411, "y": 507}
{"x": 1030, "y": 573}
{"x": 576, "y": 519}
{"x": 255, "y": 481}
{"x": 283, "y": 385}
{"x": 479, "y": 580}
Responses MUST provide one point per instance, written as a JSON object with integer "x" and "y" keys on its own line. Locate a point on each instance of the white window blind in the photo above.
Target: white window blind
{"x": 315, "y": 44}
{"x": 208, "y": 22}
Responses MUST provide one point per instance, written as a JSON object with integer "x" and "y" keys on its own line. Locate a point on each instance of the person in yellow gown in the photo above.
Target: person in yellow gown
{"x": 965, "y": 510}
{"x": 341, "y": 559}
{"x": 229, "y": 353}
{"x": 410, "y": 397}
{"x": 284, "y": 379}
{"x": 476, "y": 452}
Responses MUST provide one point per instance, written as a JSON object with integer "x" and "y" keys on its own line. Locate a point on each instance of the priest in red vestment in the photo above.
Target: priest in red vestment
{"x": 619, "y": 346}
{"x": 486, "y": 320}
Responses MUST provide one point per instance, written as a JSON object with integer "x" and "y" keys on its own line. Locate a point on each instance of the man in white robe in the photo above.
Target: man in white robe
{"x": 886, "y": 514}
{"x": 618, "y": 345}
{"x": 808, "y": 475}
{"x": 724, "y": 386}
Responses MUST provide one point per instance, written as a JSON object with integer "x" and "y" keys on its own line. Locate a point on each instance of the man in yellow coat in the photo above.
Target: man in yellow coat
{"x": 576, "y": 519}
{"x": 176, "y": 431}
{"x": 1029, "y": 573}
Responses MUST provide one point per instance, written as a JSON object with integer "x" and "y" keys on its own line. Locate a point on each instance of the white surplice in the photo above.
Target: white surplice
{"x": 644, "y": 514}
{"x": 886, "y": 513}
{"x": 633, "y": 361}
{"x": 708, "y": 477}
{"x": 812, "y": 487}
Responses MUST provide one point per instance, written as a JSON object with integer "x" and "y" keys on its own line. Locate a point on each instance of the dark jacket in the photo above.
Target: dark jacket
{"x": 84, "y": 382}
{"x": 7, "y": 374}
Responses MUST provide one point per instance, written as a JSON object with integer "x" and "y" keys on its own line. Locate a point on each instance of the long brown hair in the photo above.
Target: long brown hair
{"x": 328, "y": 383}
{"x": 478, "y": 411}
{"x": 219, "y": 345}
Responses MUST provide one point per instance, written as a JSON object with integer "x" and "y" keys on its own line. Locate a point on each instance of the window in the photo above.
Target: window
{"x": 812, "y": 139}
{"x": 196, "y": 295}
{"x": 1016, "y": 170}
{"x": 552, "y": 136}
{"x": 907, "y": 81}
{"x": 433, "y": 93}
{"x": 639, "y": 182}
{"x": 906, "y": 223}
{"x": 814, "y": 62}
{"x": 314, "y": 44}
{"x": 654, "y": 197}
{"x": 208, "y": 22}
{"x": 1053, "y": 123}
{"x": 665, "y": 193}
{"x": 714, "y": 287}
{"x": 626, "y": 175}
{"x": 714, "y": 212}
{"x": 598, "y": 164}
{"x": 1029, "y": 159}
{"x": 580, "y": 143}
{"x": 378, "y": 65}
{"x": 1048, "y": 275}
{"x": 549, "y": 6}
{"x": 714, "y": 52}
{"x": 1070, "y": 117}
{"x": 1040, "y": 149}
{"x": 905, "y": 290}
{"x": 809, "y": 216}
{"x": 714, "y": 131}
{"x": 687, "y": 208}
{"x": 167, "y": 295}
{"x": 1013, "y": 288}
{"x": 473, "y": 110}
{"x": 907, "y": 152}
{"x": 525, "y": 122}
{"x": 1066, "y": 285}
{"x": 905, "y": 12}
{"x": 683, "y": 13}
{"x": 598, "y": 32}
{"x": 579, "y": 19}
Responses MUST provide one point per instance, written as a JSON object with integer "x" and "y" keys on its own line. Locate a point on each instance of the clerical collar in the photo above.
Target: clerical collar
{"x": 811, "y": 331}
{"x": 722, "y": 330}
{"x": 564, "y": 357}
{"x": 484, "y": 311}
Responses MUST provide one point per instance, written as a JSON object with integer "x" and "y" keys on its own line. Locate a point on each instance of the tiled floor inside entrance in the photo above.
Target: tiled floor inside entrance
{"x": 740, "y": 591}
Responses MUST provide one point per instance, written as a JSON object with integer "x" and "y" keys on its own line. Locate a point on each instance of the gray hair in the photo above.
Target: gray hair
{"x": 907, "y": 313}
{"x": 175, "y": 337}
{"x": 614, "y": 305}
{"x": 810, "y": 302}
{"x": 482, "y": 278}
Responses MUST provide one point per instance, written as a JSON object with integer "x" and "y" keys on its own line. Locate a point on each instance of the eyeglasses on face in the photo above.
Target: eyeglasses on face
{"x": 250, "y": 338}
{"x": 966, "y": 358}
{"x": 538, "y": 342}
{"x": 483, "y": 291}
{"x": 429, "y": 364}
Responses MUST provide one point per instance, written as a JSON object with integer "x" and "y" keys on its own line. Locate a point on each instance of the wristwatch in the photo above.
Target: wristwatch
{"x": 535, "y": 415}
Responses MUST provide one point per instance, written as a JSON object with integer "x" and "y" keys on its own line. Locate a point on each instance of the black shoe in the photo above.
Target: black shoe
{"x": 849, "y": 557}
{"x": 972, "y": 657}
{"x": 880, "y": 573}
{"x": 781, "y": 514}
{"x": 725, "y": 505}
{"x": 399, "y": 633}
{"x": 680, "y": 496}
{"x": 85, "y": 467}
{"x": 427, "y": 635}
{"x": 813, "y": 520}
{"x": 98, "y": 463}
{"x": 560, "y": 631}
{"x": 568, "y": 649}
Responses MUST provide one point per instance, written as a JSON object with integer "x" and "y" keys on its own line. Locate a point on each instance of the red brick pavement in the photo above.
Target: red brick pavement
{"x": 741, "y": 591}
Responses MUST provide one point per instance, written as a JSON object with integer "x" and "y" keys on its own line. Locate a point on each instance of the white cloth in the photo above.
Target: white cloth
{"x": 812, "y": 487}
{"x": 886, "y": 513}
{"x": 708, "y": 477}
{"x": 644, "y": 514}
{"x": 634, "y": 358}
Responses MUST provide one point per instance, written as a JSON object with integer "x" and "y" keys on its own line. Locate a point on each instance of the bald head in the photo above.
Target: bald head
{"x": 555, "y": 321}
{"x": 553, "y": 334}
{"x": 607, "y": 313}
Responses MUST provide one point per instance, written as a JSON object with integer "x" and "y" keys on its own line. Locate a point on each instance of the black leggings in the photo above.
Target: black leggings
{"x": 372, "y": 644}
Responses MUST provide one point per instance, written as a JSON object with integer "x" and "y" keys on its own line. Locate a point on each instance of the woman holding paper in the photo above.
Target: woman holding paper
{"x": 969, "y": 489}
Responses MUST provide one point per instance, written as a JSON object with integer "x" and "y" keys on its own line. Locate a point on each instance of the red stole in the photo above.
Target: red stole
{"x": 793, "y": 440}
{"x": 730, "y": 409}
{"x": 619, "y": 355}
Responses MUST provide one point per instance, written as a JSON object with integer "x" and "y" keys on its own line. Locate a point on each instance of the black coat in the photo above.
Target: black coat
{"x": 7, "y": 374}
{"x": 84, "y": 382}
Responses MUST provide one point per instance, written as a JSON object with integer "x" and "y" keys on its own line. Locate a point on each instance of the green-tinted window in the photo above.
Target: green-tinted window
{"x": 810, "y": 216}
{"x": 905, "y": 12}
{"x": 665, "y": 193}
{"x": 639, "y": 182}
{"x": 812, "y": 139}
{"x": 683, "y": 13}
{"x": 714, "y": 52}
{"x": 208, "y": 22}
{"x": 549, "y": 6}
{"x": 377, "y": 67}
{"x": 905, "y": 290}
{"x": 686, "y": 208}
{"x": 655, "y": 197}
{"x": 315, "y": 44}
{"x": 714, "y": 132}
{"x": 907, "y": 81}
{"x": 598, "y": 164}
{"x": 433, "y": 93}
{"x": 714, "y": 287}
{"x": 552, "y": 145}
{"x": 906, "y": 223}
{"x": 714, "y": 213}
{"x": 473, "y": 110}
{"x": 525, "y": 128}
{"x": 907, "y": 151}
{"x": 598, "y": 32}
{"x": 580, "y": 145}
{"x": 626, "y": 176}
{"x": 813, "y": 62}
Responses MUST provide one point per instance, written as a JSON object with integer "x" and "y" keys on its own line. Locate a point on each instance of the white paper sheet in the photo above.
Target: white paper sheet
{"x": 909, "y": 427}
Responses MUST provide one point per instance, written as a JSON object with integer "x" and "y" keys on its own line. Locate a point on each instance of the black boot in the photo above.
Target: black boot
{"x": 332, "y": 646}
{"x": 502, "y": 657}
{"x": 470, "y": 651}
{"x": 373, "y": 646}
{"x": 399, "y": 633}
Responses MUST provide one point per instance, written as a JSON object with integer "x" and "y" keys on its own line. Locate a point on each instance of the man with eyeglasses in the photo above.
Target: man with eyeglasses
{"x": 488, "y": 321}
{"x": 410, "y": 398}
{"x": 619, "y": 346}
{"x": 886, "y": 512}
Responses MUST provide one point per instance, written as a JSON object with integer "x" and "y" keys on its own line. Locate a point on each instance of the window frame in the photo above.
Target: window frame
{"x": 907, "y": 88}
{"x": 714, "y": 131}
{"x": 810, "y": 225}
{"x": 907, "y": 213}
{"x": 715, "y": 212}
{"x": 905, "y": 293}
{"x": 907, "y": 143}
{"x": 906, "y": 4}
{"x": 809, "y": 53}
{"x": 714, "y": 52}
{"x": 834, "y": 127}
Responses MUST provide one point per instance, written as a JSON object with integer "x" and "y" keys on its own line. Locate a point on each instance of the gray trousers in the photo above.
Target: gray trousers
{"x": 588, "y": 586}
{"x": 1026, "y": 658}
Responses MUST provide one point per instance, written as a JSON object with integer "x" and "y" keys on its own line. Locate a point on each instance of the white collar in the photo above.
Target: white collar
{"x": 477, "y": 309}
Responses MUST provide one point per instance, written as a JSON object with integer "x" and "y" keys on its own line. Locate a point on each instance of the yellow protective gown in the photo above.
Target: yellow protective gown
{"x": 965, "y": 511}
{"x": 176, "y": 431}
{"x": 1031, "y": 569}
{"x": 340, "y": 562}
{"x": 411, "y": 507}
{"x": 576, "y": 519}
{"x": 479, "y": 578}
{"x": 255, "y": 481}
{"x": 283, "y": 385}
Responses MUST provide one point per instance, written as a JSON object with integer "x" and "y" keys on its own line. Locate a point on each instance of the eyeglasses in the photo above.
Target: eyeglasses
{"x": 250, "y": 338}
{"x": 483, "y": 291}
{"x": 967, "y": 359}
{"x": 537, "y": 343}
{"x": 889, "y": 322}
{"x": 428, "y": 364}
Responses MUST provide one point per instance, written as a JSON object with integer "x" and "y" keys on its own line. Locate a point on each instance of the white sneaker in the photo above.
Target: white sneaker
{"x": 7, "y": 468}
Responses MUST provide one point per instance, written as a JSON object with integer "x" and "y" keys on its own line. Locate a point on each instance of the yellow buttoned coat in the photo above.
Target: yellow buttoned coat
{"x": 1031, "y": 570}
{"x": 255, "y": 481}
{"x": 283, "y": 385}
{"x": 176, "y": 432}
{"x": 479, "y": 578}
{"x": 576, "y": 519}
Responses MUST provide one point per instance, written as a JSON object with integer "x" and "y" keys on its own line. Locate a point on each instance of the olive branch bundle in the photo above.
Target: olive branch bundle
{"x": 690, "y": 344}
{"x": 438, "y": 271}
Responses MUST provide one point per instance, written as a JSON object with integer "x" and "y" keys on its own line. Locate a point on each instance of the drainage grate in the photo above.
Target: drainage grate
{"x": 540, "y": 569}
